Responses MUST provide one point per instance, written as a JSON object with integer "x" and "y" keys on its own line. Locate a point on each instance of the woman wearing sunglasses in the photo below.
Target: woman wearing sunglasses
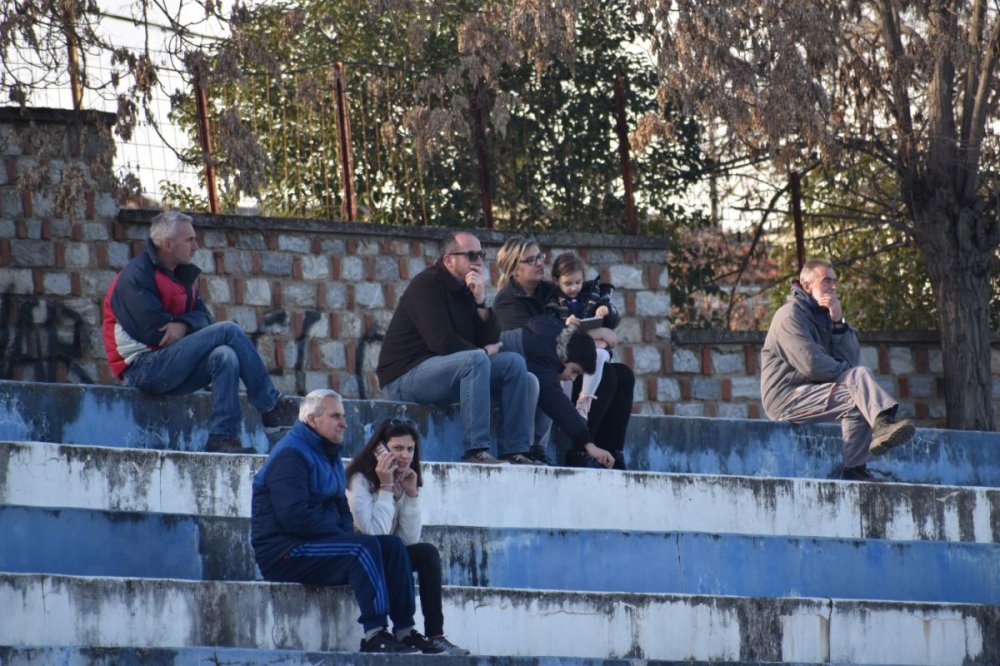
{"x": 384, "y": 483}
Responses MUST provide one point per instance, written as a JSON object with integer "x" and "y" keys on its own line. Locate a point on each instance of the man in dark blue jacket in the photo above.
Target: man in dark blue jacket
{"x": 160, "y": 337}
{"x": 302, "y": 530}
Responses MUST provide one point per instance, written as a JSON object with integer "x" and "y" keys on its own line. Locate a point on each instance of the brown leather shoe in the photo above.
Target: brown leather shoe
{"x": 227, "y": 444}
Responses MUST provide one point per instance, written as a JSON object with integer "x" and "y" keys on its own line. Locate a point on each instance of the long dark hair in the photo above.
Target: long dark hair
{"x": 364, "y": 461}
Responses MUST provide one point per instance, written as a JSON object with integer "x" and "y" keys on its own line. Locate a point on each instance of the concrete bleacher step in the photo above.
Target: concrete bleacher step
{"x": 123, "y": 612}
{"x": 121, "y": 543}
{"x": 115, "y": 416}
{"x": 213, "y": 548}
{"x": 209, "y": 656}
{"x": 531, "y": 497}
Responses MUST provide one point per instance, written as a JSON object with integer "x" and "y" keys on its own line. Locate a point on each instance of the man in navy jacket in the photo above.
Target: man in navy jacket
{"x": 160, "y": 337}
{"x": 302, "y": 529}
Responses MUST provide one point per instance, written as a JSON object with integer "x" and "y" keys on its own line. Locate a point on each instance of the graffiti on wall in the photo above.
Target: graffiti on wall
{"x": 44, "y": 337}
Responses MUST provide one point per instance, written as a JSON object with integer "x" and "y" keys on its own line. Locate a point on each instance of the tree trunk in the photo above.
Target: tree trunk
{"x": 958, "y": 246}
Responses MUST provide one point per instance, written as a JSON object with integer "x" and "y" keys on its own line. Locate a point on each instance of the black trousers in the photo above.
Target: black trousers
{"x": 426, "y": 563}
{"x": 611, "y": 410}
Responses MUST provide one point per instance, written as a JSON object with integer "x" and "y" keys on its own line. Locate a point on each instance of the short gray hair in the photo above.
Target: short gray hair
{"x": 312, "y": 404}
{"x": 164, "y": 226}
{"x": 807, "y": 268}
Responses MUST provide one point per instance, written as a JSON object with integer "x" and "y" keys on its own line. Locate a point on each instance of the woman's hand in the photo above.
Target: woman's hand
{"x": 385, "y": 466}
{"x": 408, "y": 480}
{"x": 603, "y": 458}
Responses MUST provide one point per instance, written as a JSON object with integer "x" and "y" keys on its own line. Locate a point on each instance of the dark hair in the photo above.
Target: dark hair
{"x": 364, "y": 461}
{"x": 567, "y": 263}
{"x": 450, "y": 242}
{"x": 580, "y": 348}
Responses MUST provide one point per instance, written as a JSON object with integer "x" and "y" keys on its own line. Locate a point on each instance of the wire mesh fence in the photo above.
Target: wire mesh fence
{"x": 152, "y": 154}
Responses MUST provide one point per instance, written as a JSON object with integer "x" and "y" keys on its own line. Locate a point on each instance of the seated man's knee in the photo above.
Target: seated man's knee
{"x": 855, "y": 375}
{"x": 473, "y": 359}
{"x": 223, "y": 358}
{"x": 509, "y": 363}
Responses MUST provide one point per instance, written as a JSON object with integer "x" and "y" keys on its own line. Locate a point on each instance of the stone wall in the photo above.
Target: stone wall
{"x": 316, "y": 296}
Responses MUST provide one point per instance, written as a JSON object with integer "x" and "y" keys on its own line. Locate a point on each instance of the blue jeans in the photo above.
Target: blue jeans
{"x": 471, "y": 378}
{"x": 221, "y": 355}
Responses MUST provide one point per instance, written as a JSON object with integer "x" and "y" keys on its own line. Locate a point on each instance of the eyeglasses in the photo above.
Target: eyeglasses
{"x": 471, "y": 255}
{"x": 534, "y": 259}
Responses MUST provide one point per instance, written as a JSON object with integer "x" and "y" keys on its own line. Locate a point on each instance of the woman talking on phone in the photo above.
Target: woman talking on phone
{"x": 383, "y": 492}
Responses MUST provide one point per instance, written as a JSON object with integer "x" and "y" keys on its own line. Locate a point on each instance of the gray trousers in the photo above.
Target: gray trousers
{"x": 854, "y": 398}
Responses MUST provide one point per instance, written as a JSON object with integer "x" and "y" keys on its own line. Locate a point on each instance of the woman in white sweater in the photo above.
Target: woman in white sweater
{"x": 384, "y": 482}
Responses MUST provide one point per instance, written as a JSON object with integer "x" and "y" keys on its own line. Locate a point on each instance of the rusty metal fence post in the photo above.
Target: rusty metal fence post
{"x": 348, "y": 204}
{"x": 205, "y": 132}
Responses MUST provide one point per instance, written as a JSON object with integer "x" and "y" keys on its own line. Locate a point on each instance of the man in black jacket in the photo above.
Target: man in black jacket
{"x": 443, "y": 346}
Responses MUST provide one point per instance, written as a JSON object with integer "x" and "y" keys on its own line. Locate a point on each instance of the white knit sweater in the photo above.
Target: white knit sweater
{"x": 380, "y": 513}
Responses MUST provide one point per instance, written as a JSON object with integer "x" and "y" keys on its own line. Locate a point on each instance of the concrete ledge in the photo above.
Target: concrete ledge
{"x": 196, "y": 548}
{"x": 121, "y": 417}
{"x": 198, "y": 656}
{"x": 110, "y": 479}
{"x": 114, "y": 612}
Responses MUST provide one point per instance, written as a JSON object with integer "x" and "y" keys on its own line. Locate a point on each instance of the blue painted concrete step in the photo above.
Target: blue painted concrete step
{"x": 113, "y": 416}
{"x": 208, "y": 548}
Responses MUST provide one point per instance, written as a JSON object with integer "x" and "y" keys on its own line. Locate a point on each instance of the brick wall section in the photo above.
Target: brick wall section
{"x": 317, "y": 296}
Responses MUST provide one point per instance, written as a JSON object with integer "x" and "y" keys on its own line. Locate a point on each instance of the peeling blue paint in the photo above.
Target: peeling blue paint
{"x": 122, "y": 417}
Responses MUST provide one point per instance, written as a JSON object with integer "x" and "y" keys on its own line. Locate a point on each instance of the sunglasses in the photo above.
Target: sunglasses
{"x": 398, "y": 423}
{"x": 534, "y": 259}
{"x": 471, "y": 255}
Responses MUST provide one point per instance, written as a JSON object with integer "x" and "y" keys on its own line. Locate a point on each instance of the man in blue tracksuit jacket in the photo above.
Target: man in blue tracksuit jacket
{"x": 302, "y": 530}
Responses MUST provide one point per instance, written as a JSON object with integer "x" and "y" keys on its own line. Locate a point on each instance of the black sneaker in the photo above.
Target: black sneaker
{"x": 537, "y": 453}
{"x": 227, "y": 444}
{"x": 283, "y": 415}
{"x": 420, "y": 642}
{"x": 384, "y": 642}
{"x": 888, "y": 433}
{"x": 859, "y": 473}
{"x": 482, "y": 456}
{"x": 518, "y": 459}
{"x": 447, "y": 647}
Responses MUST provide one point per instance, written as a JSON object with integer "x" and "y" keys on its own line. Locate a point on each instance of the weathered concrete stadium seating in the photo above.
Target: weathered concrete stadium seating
{"x": 120, "y": 542}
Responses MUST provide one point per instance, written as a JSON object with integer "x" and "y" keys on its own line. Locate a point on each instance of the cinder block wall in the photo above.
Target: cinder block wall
{"x": 316, "y": 296}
